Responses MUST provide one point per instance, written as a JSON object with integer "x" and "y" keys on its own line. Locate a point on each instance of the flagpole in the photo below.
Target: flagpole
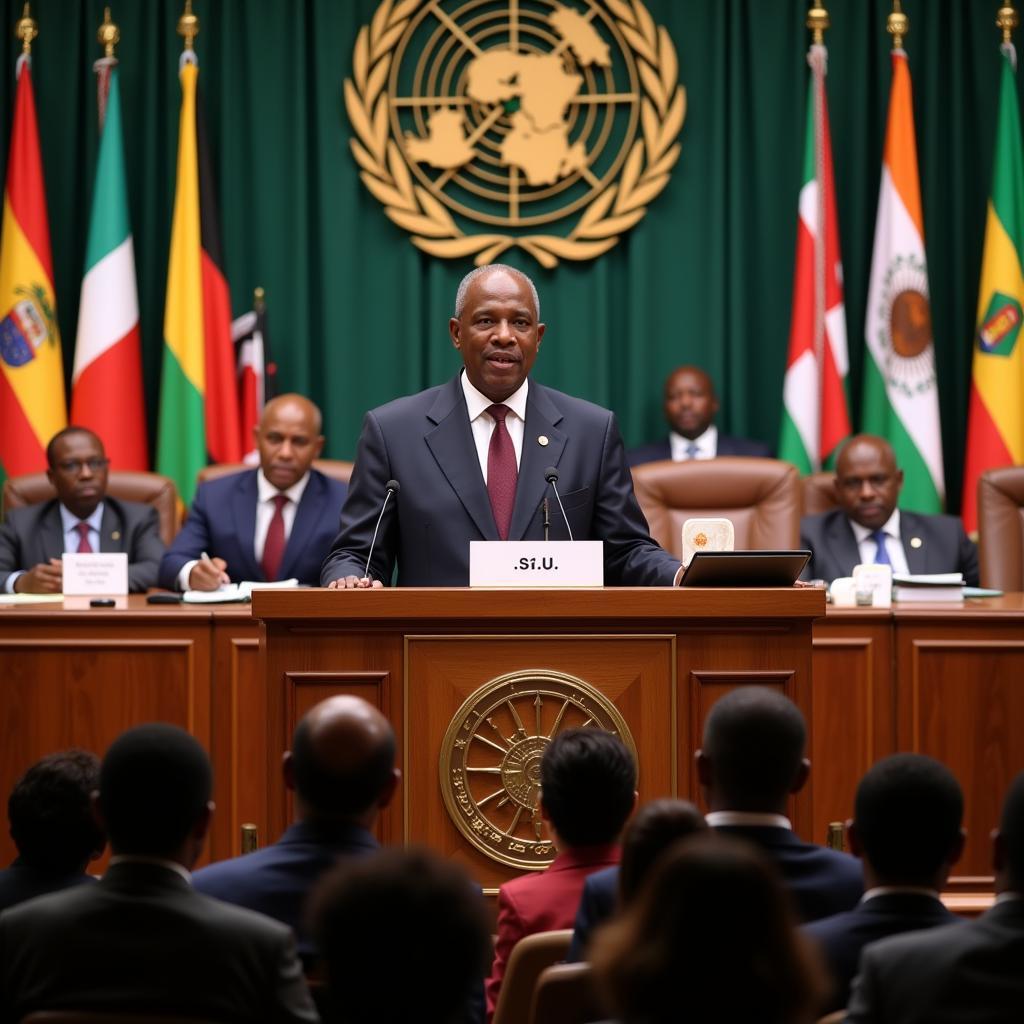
{"x": 1007, "y": 20}
{"x": 897, "y": 25}
{"x": 108, "y": 35}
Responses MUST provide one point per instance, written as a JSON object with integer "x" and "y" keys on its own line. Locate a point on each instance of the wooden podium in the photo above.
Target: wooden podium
{"x": 659, "y": 657}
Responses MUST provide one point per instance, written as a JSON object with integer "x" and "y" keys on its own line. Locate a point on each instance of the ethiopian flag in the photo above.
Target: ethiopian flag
{"x": 199, "y": 418}
{"x": 32, "y": 407}
{"x": 816, "y": 416}
{"x": 901, "y": 401}
{"x": 995, "y": 418}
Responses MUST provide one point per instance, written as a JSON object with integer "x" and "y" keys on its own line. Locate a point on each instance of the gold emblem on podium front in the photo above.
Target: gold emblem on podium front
{"x": 491, "y": 754}
{"x": 550, "y": 125}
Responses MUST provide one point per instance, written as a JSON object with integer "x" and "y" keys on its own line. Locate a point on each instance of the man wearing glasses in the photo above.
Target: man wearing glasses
{"x": 868, "y": 527}
{"x": 81, "y": 518}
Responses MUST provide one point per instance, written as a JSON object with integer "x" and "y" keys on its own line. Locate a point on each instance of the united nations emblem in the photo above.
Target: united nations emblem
{"x": 534, "y": 123}
{"x": 491, "y": 754}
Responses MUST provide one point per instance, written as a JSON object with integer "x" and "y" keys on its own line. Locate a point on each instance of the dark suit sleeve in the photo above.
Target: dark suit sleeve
{"x": 11, "y": 557}
{"x": 968, "y": 558}
{"x": 292, "y": 1003}
{"x": 144, "y": 552}
{"x": 863, "y": 1007}
{"x": 192, "y": 540}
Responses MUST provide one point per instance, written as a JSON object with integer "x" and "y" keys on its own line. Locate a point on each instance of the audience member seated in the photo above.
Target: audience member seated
{"x": 52, "y": 826}
{"x": 970, "y": 972}
{"x": 404, "y": 938}
{"x": 751, "y": 762}
{"x": 690, "y": 407}
{"x": 906, "y": 830}
{"x": 649, "y": 833}
{"x": 868, "y": 527}
{"x": 587, "y": 791}
{"x": 82, "y": 518}
{"x": 271, "y": 523}
{"x": 141, "y": 940}
{"x": 342, "y": 770}
{"x": 711, "y": 937}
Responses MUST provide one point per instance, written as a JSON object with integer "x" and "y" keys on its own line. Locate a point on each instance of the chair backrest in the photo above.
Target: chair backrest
{"x": 818, "y": 493}
{"x": 126, "y": 485}
{"x": 833, "y": 1018}
{"x": 760, "y": 496}
{"x": 337, "y": 469}
{"x": 1001, "y": 528}
{"x": 565, "y": 994}
{"x": 530, "y": 956}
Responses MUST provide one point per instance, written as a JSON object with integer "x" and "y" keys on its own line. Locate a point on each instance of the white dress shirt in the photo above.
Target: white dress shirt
{"x": 893, "y": 545}
{"x": 747, "y": 819}
{"x": 707, "y": 445}
{"x": 482, "y": 423}
{"x": 887, "y": 890}
{"x": 69, "y": 527}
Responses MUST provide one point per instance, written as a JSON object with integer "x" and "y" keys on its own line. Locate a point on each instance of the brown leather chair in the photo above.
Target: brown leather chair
{"x": 334, "y": 468}
{"x": 565, "y": 994}
{"x": 127, "y": 485}
{"x": 760, "y": 496}
{"x": 818, "y": 493}
{"x": 1001, "y": 528}
{"x": 530, "y": 955}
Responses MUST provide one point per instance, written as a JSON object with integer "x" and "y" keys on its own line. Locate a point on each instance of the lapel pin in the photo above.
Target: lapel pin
{"x": 916, "y": 542}
{"x": 116, "y": 535}
{"x": 543, "y": 440}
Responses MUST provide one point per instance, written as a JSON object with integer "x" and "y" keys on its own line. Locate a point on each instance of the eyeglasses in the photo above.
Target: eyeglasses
{"x": 77, "y": 465}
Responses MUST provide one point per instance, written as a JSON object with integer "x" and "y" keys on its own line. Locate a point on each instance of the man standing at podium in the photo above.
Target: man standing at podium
{"x": 471, "y": 458}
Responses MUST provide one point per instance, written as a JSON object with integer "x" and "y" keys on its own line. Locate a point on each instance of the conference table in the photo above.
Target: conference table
{"x": 945, "y": 680}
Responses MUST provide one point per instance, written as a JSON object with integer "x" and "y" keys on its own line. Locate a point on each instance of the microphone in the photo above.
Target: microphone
{"x": 392, "y": 487}
{"x": 551, "y": 475}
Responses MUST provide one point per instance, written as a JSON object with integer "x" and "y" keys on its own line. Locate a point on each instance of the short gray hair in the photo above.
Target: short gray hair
{"x": 460, "y": 294}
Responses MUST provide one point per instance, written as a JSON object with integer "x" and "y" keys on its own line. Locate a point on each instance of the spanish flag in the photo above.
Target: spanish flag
{"x": 32, "y": 406}
{"x": 199, "y": 418}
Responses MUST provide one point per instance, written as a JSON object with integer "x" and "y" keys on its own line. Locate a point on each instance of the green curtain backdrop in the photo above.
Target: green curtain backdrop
{"x": 358, "y": 316}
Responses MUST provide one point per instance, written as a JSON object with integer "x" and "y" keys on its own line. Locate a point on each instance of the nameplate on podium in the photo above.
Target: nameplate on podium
{"x": 536, "y": 563}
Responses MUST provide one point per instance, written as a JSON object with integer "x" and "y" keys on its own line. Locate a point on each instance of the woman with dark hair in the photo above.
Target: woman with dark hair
{"x": 711, "y": 938}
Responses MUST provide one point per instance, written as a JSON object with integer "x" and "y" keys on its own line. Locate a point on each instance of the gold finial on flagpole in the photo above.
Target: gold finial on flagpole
{"x": 1007, "y": 19}
{"x": 258, "y": 297}
{"x": 817, "y": 22}
{"x": 26, "y": 30}
{"x": 108, "y": 35}
{"x": 897, "y": 25}
{"x": 188, "y": 25}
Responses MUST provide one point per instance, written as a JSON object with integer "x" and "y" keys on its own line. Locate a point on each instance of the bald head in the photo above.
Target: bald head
{"x": 342, "y": 762}
{"x": 868, "y": 481}
{"x": 690, "y": 401}
{"x": 288, "y": 438}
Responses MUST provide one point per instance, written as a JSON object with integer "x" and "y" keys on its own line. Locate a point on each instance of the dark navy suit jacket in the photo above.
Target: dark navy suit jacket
{"x": 21, "y": 882}
{"x": 222, "y": 522}
{"x": 843, "y": 936}
{"x": 597, "y": 904}
{"x": 658, "y": 451}
{"x": 425, "y": 442}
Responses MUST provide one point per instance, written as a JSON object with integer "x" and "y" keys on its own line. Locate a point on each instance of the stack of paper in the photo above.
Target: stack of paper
{"x": 227, "y": 593}
{"x": 938, "y": 586}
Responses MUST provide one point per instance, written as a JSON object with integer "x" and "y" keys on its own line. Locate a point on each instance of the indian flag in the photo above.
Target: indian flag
{"x": 995, "y": 419}
{"x": 816, "y": 414}
{"x": 901, "y": 401}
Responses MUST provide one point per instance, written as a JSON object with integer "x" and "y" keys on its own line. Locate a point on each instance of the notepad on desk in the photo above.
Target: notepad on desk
{"x": 928, "y": 587}
{"x": 231, "y": 593}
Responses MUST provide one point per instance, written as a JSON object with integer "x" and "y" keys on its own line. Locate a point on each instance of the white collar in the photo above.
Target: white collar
{"x": 888, "y": 890}
{"x": 891, "y": 528}
{"x": 171, "y": 865}
{"x": 69, "y": 521}
{"x": 477, "y": 402}
{"x": 706, "y": 442}
{"x": 1009, "y": 896}
{"x": 265, "y": 490}
{"x": 755, "y": 819}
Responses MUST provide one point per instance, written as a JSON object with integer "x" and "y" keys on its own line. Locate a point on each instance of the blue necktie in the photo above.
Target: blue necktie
{"x": 692, "y": 450}
{"x": 882, "y": 554}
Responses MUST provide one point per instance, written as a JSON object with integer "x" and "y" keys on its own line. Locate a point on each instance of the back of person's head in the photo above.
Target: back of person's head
{"x": 403, "y": 936}
{"x": 50, "y": 813}
{"x": 907, "y": 815}
{"x": 651, "y": 831}
{"x": 1011, "y": 831}
{"x": 155, "y": 784}
{"x": 754, "y": 740}
{"x": 587, "y": 786}
{"x": 343, "y": 759}
{"x": 711, "y": 936}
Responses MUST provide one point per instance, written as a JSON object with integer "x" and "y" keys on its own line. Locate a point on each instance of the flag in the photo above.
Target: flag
{"x": 901, "y": 401}
{"x": 815, "y": 416}
{"x": 255, "y": 372}
{"x": 198, "y": 397}
{"x": 995, "y": 417}
{"x": 107, "y": 394}
{"x": 32, "y": 405}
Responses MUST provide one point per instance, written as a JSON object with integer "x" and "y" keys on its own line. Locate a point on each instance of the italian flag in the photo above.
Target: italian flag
{"x": 995, "y": 419}
{"x": 199, "y": 418}
{"x": 901, "y": 401}
{"x": 816, "y": 416}
{"x": 107, "y": 394}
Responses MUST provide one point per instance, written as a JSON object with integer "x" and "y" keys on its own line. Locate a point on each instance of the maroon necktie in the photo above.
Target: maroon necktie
{"x": 502, "y": 471}
{"x": 273, "y": 548}
{"x": 84, "y": 547}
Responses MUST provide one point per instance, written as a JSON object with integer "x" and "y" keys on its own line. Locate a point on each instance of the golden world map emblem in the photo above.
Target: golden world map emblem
{"x": 491, "y": 754}
{"x": 481, "y": 125}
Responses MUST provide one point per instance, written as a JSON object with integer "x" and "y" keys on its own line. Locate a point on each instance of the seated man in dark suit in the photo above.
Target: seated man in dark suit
{"x": 141, "y": 940}
{"x": 970, "y": 973}
{"x": 868, "y": 527}
{"x": 271, "y": 523}
{"x": 906, "y": 830}
{"x": 82, "y": 518}
{"x": 751, "y": 762}
{"x": 52, "y": 825}
{"x": 342, "y": 770}
{"x": 690, "y": 408}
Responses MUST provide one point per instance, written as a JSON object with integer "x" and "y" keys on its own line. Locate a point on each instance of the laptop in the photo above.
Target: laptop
{"x": 744, "y": 568}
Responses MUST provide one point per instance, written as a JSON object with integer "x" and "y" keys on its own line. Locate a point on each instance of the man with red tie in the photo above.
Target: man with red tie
{"x": 270, "y": 523}
{"x": 82, "y": 518}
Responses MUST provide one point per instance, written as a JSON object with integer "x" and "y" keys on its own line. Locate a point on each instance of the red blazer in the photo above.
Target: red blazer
{"x": 542, "y": 902}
